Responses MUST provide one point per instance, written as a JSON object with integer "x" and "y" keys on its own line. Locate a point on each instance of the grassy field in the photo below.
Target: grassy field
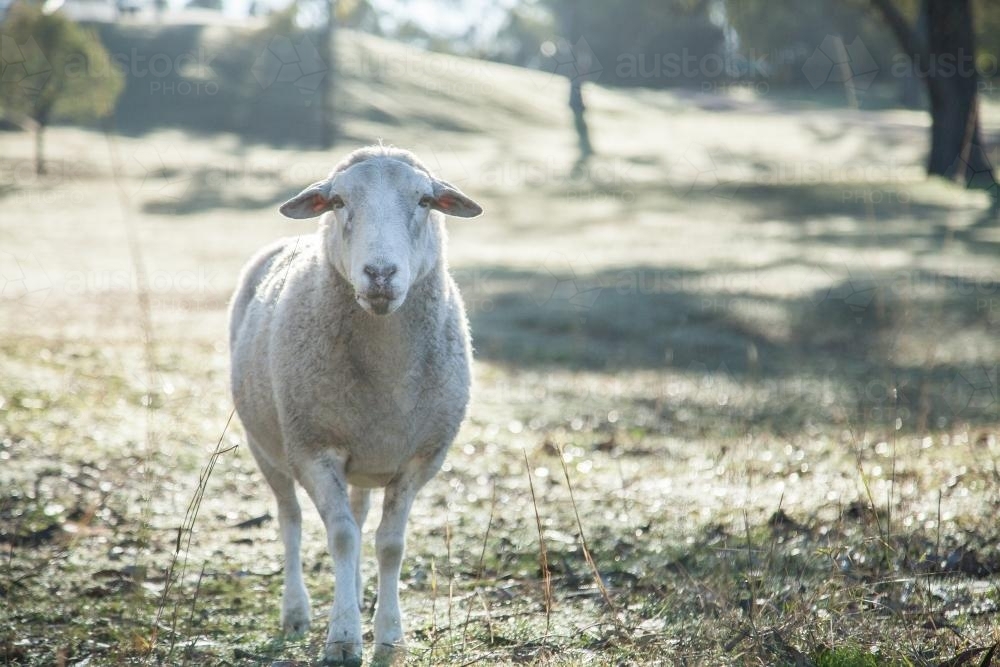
{"x": 746, "y": 359}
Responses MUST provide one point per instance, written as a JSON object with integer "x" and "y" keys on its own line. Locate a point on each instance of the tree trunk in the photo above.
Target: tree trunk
{"x": 327, "y": 122}
{"x": 956, "y": 145}
{"x": 946, "y": 63}
{"x": 911, "y": 96}
{"x": 39, "y": 149}
{"x": 570, "y": 21}
{"x": 582, "y": 132}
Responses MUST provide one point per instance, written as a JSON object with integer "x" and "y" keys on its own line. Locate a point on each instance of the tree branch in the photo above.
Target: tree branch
{"x": 909, "y": 39}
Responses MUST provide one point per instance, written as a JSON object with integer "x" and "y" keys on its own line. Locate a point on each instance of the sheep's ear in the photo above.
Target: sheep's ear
{"x": 314, "y": 200}
{"x": 451, "y": 201}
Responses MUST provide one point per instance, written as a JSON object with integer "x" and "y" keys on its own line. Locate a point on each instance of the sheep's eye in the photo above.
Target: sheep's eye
{"x": 336, "y": 201}
{"x": 425, "y": 201}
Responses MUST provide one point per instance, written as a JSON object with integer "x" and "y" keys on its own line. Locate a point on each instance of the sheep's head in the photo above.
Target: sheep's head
{"x": 382, "y": 231}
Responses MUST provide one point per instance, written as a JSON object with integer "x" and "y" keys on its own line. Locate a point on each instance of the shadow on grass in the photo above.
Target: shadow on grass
{"x": 208, "y": 188}
{"x": 840, "y": 345}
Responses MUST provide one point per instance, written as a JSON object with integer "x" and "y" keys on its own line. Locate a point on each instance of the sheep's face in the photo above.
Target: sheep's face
{"x": 382, "y": 235}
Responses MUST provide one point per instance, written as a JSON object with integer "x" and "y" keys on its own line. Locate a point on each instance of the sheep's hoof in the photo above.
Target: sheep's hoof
{"x": 389, "y": 655}
{"x": 346, "y": 654}
{"x": 295, "y": 621}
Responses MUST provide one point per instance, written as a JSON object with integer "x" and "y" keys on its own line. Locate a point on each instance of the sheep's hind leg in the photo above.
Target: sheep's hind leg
{"x": 295, "y": 606}
{"x": 360, "y": 503}
{"x": 325, "y": 480}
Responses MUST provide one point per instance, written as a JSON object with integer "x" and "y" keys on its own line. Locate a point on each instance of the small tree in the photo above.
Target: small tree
{"x": 50, "y": 68}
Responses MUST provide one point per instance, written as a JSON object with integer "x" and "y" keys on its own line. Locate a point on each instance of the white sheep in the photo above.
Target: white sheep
{"x": 350, "y": 371}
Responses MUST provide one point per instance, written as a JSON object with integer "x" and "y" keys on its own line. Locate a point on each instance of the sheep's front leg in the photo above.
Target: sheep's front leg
{"x": 326, "y": 482}
{"x": 390, "y": 541}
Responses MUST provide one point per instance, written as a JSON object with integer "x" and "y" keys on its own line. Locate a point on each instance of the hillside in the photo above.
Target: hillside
{"x": 261, "y": 84}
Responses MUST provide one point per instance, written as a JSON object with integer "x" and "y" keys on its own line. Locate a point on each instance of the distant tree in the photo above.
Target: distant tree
{"x": 942, "y": 51}
{"x": 54, "y": 69}
{"x": 623, "y": 43}
{"x": 328, "y": 51}
{"x": 939, "y": 38}
{"x": 569, "y": 18}
{"x": 635, "y": 42}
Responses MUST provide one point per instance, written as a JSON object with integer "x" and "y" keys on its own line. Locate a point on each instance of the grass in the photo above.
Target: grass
{"x": 685, "y": 445}
{"x": 847, "y": 656}
{"x": 688, "y": 579}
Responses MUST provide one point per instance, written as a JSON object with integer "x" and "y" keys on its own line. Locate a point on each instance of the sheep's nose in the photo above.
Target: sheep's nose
{"x": 380, "y": 273}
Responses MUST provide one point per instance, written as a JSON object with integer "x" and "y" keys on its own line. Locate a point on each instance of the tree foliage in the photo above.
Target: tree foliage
{"x": 662, "y": 33}
{"x": 772, "y": 39}
{"x": 55, "y": 69}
